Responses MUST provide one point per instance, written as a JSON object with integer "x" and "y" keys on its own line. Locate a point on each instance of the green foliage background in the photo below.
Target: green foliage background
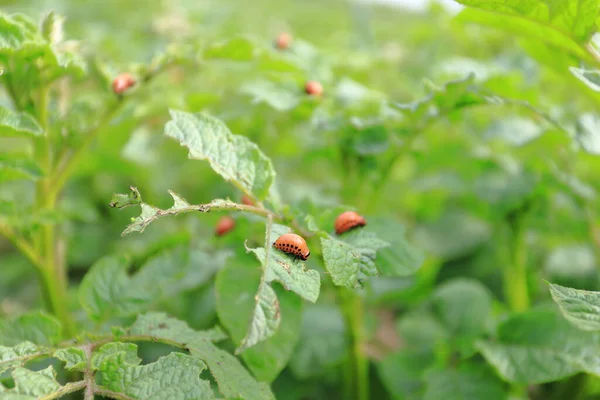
{"x": 470, "y": 143}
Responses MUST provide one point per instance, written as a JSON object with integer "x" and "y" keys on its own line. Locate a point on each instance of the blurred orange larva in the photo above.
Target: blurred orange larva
{"x": 313, "y": 88}
{"x": 224, "y": 226}
{"x": 122, "y": 82}
{"x": 348, "y": 220}
{"x": 283, "y": 41}
{"x": 292, "y": 244}
{"x": 247, "y": 200}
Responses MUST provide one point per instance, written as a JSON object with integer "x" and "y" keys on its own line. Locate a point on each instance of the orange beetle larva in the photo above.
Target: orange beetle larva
{"x": 292, "y": 244}
{"x": 224, "y": 226}
{"x": 283, "y": 41}
{"x": 122, "y": 82}
{"x": 247, "y": 200}
{"x": 348, "y": 220}
{"x": 313, "y": 88}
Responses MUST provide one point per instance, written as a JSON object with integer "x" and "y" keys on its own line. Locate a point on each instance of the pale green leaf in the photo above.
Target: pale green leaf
{"x": 590, "y": 77}
{"x": 35, "y": 327}
{"x": 17, "y": 356}
{"x": 236, "y": 49}
{"x": 18, "y": 166}
{"x": 514, "y": 23}
{"x": 13, "y": 123}
{"x": 235, "y": 288}
{"x": 74, "y": 358}
{"x": 233, "y": 157}
{"x": 233, "y": 380}
{"x": 277, "y": 96}
{"x": 34, "y": 383}
{"x": 175, "y": 376}
{"x": 128, "y": 353}
{"x": 581, "y": 307}
{"x": 351, "y": 259}
{"x": 541, "y": 346}
{"x": 291, "y": 272}
{"x": 573, "y": 19}
{"x": 14, "y": 31}
{"x": 265, "y": 318}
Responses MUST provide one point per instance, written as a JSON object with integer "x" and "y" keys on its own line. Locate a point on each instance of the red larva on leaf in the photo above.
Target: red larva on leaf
{"x": 292, "y": 244}
{"x": 313, "y": 88}
{"x": 348, "y": 220}
{"x": 224, "y": 226}
{"x": 247, "y": 200}
{"x": 283, "y": 41}
{"x": 123, "y": 82}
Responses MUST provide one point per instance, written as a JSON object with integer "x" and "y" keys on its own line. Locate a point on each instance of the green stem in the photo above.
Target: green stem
{"x": 515, "y": 271}
{"x": 358, "y": 378}
{"x": 68, "y": 388}
{"x": 53, "y": 274}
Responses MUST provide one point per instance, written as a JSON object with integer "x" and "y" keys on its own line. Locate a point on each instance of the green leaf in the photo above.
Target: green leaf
{"x": 277, "y": 96}
{"x": 175, "y": 376}
{"x": 107, "y": 291}
{"x": 453, "y": 235}
{"x": 233, "y": 380}
{"x": 463, "y": 305}
{"x": 18, "y": 166}
{"x": 17, "y": 356}
{"x": 13, "y": 123}
{"x": 590, "y": 77}
{"x": 15, "y": 30}
{"x": 453, "y": 95}
{"x": 236, "y": 49}
{"x": 402, "y": 373}
{"x": 469, "y": 382}
{"x": 291, "y": 272}
{"x": 323, "y": 342}
{"x": 235, "y": 288}
{"x": 351, "y": 259}
{"x": 541, "y": 346}
{"x": 265, "y": 318}
{"x": 420, "y": 329}
{"x": 400, "y": 258}
{"x": 35, "y": 327}
{"x": 233, "y": 157}
{"x": 34, "y": 383}
{"x": 575, "y": 19}
{"x": 74, "y": 357}
{"x": 370, "y": 140}
{"x": 127, "y": 350}
{"x": 520, "y": 23}
{"x": 581, "y": 307}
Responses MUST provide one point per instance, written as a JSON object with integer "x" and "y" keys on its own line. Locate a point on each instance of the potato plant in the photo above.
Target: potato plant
{"x": 437, "y": 172}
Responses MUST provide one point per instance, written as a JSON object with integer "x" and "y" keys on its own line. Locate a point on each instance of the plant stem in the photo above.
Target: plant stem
{"x": 515, "y": 271}
{"x": 357, "y": 372}
{"x": 54, "y": 278}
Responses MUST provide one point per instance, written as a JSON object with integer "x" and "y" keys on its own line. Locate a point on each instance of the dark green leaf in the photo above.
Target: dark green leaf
{"x": 469, "y": 382}
{"x": 235, "y": 287}
{"x": 234, "y": 381}
{"x": 176, "y": 376}
{"x": 541, "y": 346}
